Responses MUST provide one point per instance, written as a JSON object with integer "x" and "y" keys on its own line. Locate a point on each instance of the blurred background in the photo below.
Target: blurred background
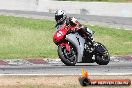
{"x": 121, "y": 8}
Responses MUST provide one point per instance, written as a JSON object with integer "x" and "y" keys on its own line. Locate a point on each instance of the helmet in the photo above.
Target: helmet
{"x": 60, "y": 16}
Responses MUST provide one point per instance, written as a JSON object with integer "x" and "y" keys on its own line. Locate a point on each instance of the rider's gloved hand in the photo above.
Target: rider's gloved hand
{"x": 74, "y": 30}
{"x": 71, "y": 31}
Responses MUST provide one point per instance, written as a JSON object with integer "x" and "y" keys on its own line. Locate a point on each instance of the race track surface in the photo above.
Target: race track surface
{"x": 113, "y": 68}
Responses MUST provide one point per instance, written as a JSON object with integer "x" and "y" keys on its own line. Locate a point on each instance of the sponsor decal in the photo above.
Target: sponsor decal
{"x": 86, "y": 81}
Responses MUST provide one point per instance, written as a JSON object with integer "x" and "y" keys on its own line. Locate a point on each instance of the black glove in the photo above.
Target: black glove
{"x": 71, "y": 31}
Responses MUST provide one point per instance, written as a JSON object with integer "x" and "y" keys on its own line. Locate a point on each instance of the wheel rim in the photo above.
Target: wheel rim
{"x": 104, "y": 55}
{"x": 71, "y": 56}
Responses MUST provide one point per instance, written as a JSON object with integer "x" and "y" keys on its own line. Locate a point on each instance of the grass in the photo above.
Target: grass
{"x": 100, "y": 0}
{"x": 118, "y": 42}
{"x": 26, "y": 37}
{"x": 21, "y": 37}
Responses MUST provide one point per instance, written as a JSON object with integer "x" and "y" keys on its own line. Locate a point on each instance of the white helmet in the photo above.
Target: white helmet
{"x": 60, "y": 16}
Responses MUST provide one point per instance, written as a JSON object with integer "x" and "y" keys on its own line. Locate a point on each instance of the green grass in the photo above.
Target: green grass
{"x": 100, "y": 0}
{"x": 25, "y": 37}
{"x": 118, "y": 42}
{"x": 21, "y": 37}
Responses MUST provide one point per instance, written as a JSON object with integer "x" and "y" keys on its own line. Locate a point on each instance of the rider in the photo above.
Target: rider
{"x": 62, "y": 18}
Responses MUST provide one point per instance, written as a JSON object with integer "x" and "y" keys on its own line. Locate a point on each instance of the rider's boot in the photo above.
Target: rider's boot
{"x": 90, "y": 44}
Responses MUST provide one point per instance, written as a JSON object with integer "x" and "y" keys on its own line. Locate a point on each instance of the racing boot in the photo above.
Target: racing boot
{"x": 89, "y": 41}
{"x": 90, "y": 44}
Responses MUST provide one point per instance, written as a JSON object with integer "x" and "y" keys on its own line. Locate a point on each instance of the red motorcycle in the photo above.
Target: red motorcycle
{"x": 72, "y": 48}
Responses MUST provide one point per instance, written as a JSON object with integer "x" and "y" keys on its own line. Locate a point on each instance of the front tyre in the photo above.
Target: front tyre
{"x": 102, "y": 56}
{"x": 68, "y": 58}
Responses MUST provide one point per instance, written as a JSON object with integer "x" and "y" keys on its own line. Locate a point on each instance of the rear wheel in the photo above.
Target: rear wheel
{"x": 68, "y": 58}
{"x": 102, "y": 56}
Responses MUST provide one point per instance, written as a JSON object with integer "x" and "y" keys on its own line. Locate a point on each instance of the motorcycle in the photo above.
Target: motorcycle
{"x": 72, "y": 48}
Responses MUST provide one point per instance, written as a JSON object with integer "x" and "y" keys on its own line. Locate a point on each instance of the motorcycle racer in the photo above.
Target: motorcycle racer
{"x": 61, "y": 18}
{"x": 75, "y": 42}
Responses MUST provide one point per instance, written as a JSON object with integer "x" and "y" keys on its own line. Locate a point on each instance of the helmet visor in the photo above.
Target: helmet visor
{"x": 58, "y": 17}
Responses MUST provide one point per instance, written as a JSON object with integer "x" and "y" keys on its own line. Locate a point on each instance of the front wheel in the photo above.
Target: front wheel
{"x": 102, "y": 56}
{"x": 68, "y": 58}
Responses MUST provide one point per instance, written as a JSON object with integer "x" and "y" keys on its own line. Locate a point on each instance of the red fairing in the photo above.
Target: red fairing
{"x": 59, "y": 35}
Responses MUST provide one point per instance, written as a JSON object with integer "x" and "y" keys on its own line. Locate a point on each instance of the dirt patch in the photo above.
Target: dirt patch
{"x": 106, "y": 37}
{"x": 127, "y": 42}
{"x": 51, "y": 81}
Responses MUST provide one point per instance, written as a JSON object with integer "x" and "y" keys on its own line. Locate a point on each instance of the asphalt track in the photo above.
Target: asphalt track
{"x": 113, "y": 68}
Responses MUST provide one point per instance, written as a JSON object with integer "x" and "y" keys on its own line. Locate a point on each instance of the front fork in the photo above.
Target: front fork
{"x": 66, "y": 44}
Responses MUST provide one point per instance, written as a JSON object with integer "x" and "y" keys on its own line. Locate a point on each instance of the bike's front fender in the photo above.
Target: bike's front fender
{"x": 78, "y": 42}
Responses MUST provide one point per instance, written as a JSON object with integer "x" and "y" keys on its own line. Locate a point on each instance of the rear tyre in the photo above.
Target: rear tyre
{"x": 69, "y": 59}
{"x": 102, "y": 56}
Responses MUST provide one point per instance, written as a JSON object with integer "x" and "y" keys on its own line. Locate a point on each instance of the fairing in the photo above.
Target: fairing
{"x": 78, "y": 42}
{"x": 59, "y": 35}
